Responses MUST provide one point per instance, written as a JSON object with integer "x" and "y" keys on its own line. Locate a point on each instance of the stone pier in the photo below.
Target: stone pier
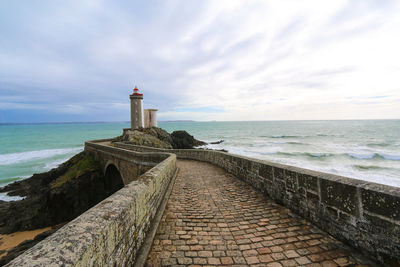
{"x": 224, "y": 209}
{"x": 213, "y": 218}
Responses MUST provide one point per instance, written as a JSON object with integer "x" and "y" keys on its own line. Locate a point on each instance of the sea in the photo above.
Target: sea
{"x": 363, "y": 149}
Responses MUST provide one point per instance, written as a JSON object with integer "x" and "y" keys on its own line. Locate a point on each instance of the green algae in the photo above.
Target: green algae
{"x": 83, "y": 165}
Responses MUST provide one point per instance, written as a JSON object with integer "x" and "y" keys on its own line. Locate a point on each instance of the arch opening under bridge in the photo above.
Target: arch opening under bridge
{"x": 112, "y": 180}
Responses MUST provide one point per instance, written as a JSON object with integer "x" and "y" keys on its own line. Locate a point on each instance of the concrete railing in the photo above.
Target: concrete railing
{"x": 363, "y": 214}
{"x": 112, "y": 232}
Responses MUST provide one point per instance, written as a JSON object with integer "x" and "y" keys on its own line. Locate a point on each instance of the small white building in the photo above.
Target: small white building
{"x": 150, "y": 118}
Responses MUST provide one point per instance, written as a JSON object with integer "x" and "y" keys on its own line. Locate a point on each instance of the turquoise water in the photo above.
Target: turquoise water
{"x": 368, "y": 150}
{"x": 35, "y": 148}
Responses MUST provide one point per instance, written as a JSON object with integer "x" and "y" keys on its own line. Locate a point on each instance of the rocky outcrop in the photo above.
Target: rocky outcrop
{"x": 183, "y": 140}
{"x": 160, "y": 134}
{"x": 56, "y": 196}
{"x": 159, "y": 138}
{"x": 146, "y": 138}
{"x": 53, "y": 198}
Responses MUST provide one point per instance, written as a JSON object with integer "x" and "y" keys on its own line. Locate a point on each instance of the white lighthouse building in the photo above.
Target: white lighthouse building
{"x": 137, "y": 114}
{"x": 136, "y": 109}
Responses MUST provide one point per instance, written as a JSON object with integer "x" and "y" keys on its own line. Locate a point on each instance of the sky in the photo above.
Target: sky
{"x": 66, "y": 61}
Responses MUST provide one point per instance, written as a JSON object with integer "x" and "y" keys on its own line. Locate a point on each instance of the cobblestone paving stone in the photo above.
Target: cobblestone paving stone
{"x": 213, "y": 218}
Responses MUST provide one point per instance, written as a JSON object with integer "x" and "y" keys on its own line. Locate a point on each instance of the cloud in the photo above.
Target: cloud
{"x": 203, "y": 60}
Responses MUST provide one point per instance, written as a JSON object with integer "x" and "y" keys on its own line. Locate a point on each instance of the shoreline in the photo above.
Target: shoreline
{"x": 11, "y": 241}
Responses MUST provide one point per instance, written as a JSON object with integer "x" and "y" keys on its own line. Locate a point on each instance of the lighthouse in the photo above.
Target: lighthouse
{"x": 136, "y": 109}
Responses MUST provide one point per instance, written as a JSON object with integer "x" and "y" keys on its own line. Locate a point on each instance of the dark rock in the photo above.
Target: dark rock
{"x": 217, "y": 142}
{"x": 159, "y": 138}
{"x": 160, "y": 134}
{"x": 183, "y": 140}
{"x": 56, "y": 196}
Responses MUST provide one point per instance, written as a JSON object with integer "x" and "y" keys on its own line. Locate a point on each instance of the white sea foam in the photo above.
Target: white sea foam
{"x": 375, "y": 155}
{"x": 361, "y": 156}
{"x": 5, "y": 197}
{"x": 13, "y": 158}
{"x": 390, "y": 157}
{"x": 54, "y": 164}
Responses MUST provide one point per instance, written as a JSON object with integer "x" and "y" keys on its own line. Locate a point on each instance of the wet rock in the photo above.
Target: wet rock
{"x": 183, "y": 140}
{"x": 217, "y": 142}
{"x": 56, "y": 196}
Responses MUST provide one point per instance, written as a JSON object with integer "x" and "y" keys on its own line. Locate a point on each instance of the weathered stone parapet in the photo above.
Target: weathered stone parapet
{"x": 112, "y": 232}
{"x": 129, "y": 163}
{"x": 363, "y": 214}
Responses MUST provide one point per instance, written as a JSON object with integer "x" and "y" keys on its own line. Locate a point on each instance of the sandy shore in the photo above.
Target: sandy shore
{"x": 10, "y": 241}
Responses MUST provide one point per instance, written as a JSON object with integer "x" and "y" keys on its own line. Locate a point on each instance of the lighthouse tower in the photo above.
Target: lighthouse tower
{"x": 136, "y": 109}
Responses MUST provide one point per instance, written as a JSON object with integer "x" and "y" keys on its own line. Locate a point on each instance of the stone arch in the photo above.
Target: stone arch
{"x": 112, "y": 179}
{"x": 109, "y": 162}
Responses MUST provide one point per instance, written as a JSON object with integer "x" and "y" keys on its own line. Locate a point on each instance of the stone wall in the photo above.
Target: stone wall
{"x": 130, "y": 164}
{"x": 112, "y": 232}
{"x": 365, "y": 215}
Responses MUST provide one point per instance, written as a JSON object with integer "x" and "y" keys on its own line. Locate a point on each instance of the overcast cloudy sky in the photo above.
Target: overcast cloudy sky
{"x": 200, "y": 60}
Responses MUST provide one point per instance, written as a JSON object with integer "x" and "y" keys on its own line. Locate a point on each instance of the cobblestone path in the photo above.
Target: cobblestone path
{"x": 213, "y": 218}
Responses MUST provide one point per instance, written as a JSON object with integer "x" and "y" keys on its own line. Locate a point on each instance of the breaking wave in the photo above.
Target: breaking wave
{"x": 374, "y": 156}
{"x": 13, "y": 158}
{"x": 5, "y": 197}
{"x": 370, "y": 167}
{"x": 378, "y": 144}
{"x": 54, "y": 164}
{"x": 284, "y": 136}
{"x": 306, "y": 154}
{"x": 296, "y": 143}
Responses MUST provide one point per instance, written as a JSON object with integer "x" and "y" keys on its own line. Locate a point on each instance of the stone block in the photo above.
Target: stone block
{"x": 279, "y": 173}
{"x": 312, "y": 197}
{"x": 266, "y": 172}
{"x": 381, "y": 203}
{"x": 379, "y": 223}
{"x": 339, "y": 195}
{"x": 308, "y": 182}
{"x": 291, "y": 180}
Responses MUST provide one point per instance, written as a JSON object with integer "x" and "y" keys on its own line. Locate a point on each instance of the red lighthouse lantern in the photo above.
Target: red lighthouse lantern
{"x": 136, "y": 91}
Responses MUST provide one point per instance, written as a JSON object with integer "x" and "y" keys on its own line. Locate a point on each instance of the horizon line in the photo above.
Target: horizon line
{"x": 161, "y": 121}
